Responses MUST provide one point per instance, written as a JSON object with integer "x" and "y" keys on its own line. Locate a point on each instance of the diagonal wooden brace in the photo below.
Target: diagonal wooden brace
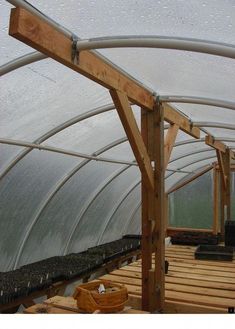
{"x": 132, "y": 131}
{"x": 169, "y": 142}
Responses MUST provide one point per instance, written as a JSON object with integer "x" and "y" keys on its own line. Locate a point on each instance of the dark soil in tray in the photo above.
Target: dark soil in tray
{"x": 40, "y": 275}
{"x": 195, "y": 238}
{"x": 115, "y": 249}
{"x": 214, "y": 253}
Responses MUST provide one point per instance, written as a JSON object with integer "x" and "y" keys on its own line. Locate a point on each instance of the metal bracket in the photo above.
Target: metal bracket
{"x": 74, "y": 52}
{"x": 191, "y": 124}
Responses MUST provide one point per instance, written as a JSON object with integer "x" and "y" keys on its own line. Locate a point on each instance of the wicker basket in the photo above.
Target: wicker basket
{"x": 89, "y": 299}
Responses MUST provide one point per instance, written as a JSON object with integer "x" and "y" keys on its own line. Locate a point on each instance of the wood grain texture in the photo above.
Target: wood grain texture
{"x": 134, "y": 136}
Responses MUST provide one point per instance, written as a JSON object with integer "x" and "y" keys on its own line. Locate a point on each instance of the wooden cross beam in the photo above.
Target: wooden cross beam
{"x": 217, "y": 145}
{"x": 40, "y": 35}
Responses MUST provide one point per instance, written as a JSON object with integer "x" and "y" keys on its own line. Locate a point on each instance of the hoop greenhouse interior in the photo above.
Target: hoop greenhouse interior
{"x": 117, "y": 156}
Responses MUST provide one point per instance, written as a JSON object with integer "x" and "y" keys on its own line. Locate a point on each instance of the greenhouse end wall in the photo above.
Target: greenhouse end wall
{"x": 192, "y": 205}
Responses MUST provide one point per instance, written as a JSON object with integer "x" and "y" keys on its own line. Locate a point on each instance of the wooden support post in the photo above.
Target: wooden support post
{"x": 153, "y": 211}
{"x": 216, "y": 224}
{"x": 169, "y": 142}
{"x": 227, "y": 162}
{"x": 146, "y": 242}
{"x": 159, "y": 193}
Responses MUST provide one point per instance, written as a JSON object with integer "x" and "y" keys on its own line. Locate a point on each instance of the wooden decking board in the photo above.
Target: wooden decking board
{"x": 176, "y": 271}
{"x": 183, "y": 275}
{"x": 219, "y": 264}
{"x": 196, "y": 285}
{"x": 187, "y": 308}
{"x": 175, "y": 287}
{"x": 200, "y": 299}
{"x": 188, "y": 297}
{"x": 131, "y": 278}
{"x": 213, "y": 268}
{"x": 201, "y": 283}
{"x": 200, "y": 277}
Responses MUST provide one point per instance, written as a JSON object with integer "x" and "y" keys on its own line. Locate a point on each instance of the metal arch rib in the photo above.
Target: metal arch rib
{"x": 193, "y": 162}
{"x": 54, "y": 131}
{"x": 115, "y": 208}
{"x": 51, "y": 133}
{"x": 21, "y": 61}
{"x": 92, "y": 197}
{"x": 214, "y": 125}
{"x": 163, "y": 42}
{"x": 70, "y": 35}
{"x": 66, "y": 152}
{"x": 58, "y": 186}
{"x": 191, "y": 153}
{"x": 200, "y": 140}
{"x": 197, "y": 100}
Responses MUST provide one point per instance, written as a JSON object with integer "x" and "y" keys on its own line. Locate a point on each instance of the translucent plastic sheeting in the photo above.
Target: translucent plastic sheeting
{"x": 119, "y": 221}
{"x": 7, "y": 154}
{"x": 91, "y": 134}
{"x": 207, "y": 113}
{"x": 194, "y": 157}
{"x": 39, "y": 206}
{"x": 21, "y": 193}
{"x": 58, "y": 219}
{"x": 169, "y": 182}
{"x": 49, "y": 95}
{"x": 134, "y": 226}
{"x": 93, "y": 223}
{"x": 192, "y": 205}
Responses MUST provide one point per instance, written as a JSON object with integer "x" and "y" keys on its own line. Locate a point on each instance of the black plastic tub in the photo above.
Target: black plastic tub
{"x": 207, "y": 252}
{"x": 230, "y": 233}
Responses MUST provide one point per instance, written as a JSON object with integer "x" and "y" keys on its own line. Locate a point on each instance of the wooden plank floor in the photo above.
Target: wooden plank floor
{"x": 192, "y": 286}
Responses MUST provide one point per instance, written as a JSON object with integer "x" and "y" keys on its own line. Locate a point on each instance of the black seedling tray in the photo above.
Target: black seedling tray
{"x": 207, "y": 252}
{"x": 40, "y": 275}
{"x": 195, "y": 238}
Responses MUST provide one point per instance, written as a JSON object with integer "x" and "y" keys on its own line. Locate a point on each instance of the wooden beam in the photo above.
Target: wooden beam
{"x": 132, "y": 131}
{"x": 174, "y": 117}
{"x": 40, "y": 35}
{"x": 169, "y": 142}
{"x": 190, "y": 179}
{"x": 209, "y": 140}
